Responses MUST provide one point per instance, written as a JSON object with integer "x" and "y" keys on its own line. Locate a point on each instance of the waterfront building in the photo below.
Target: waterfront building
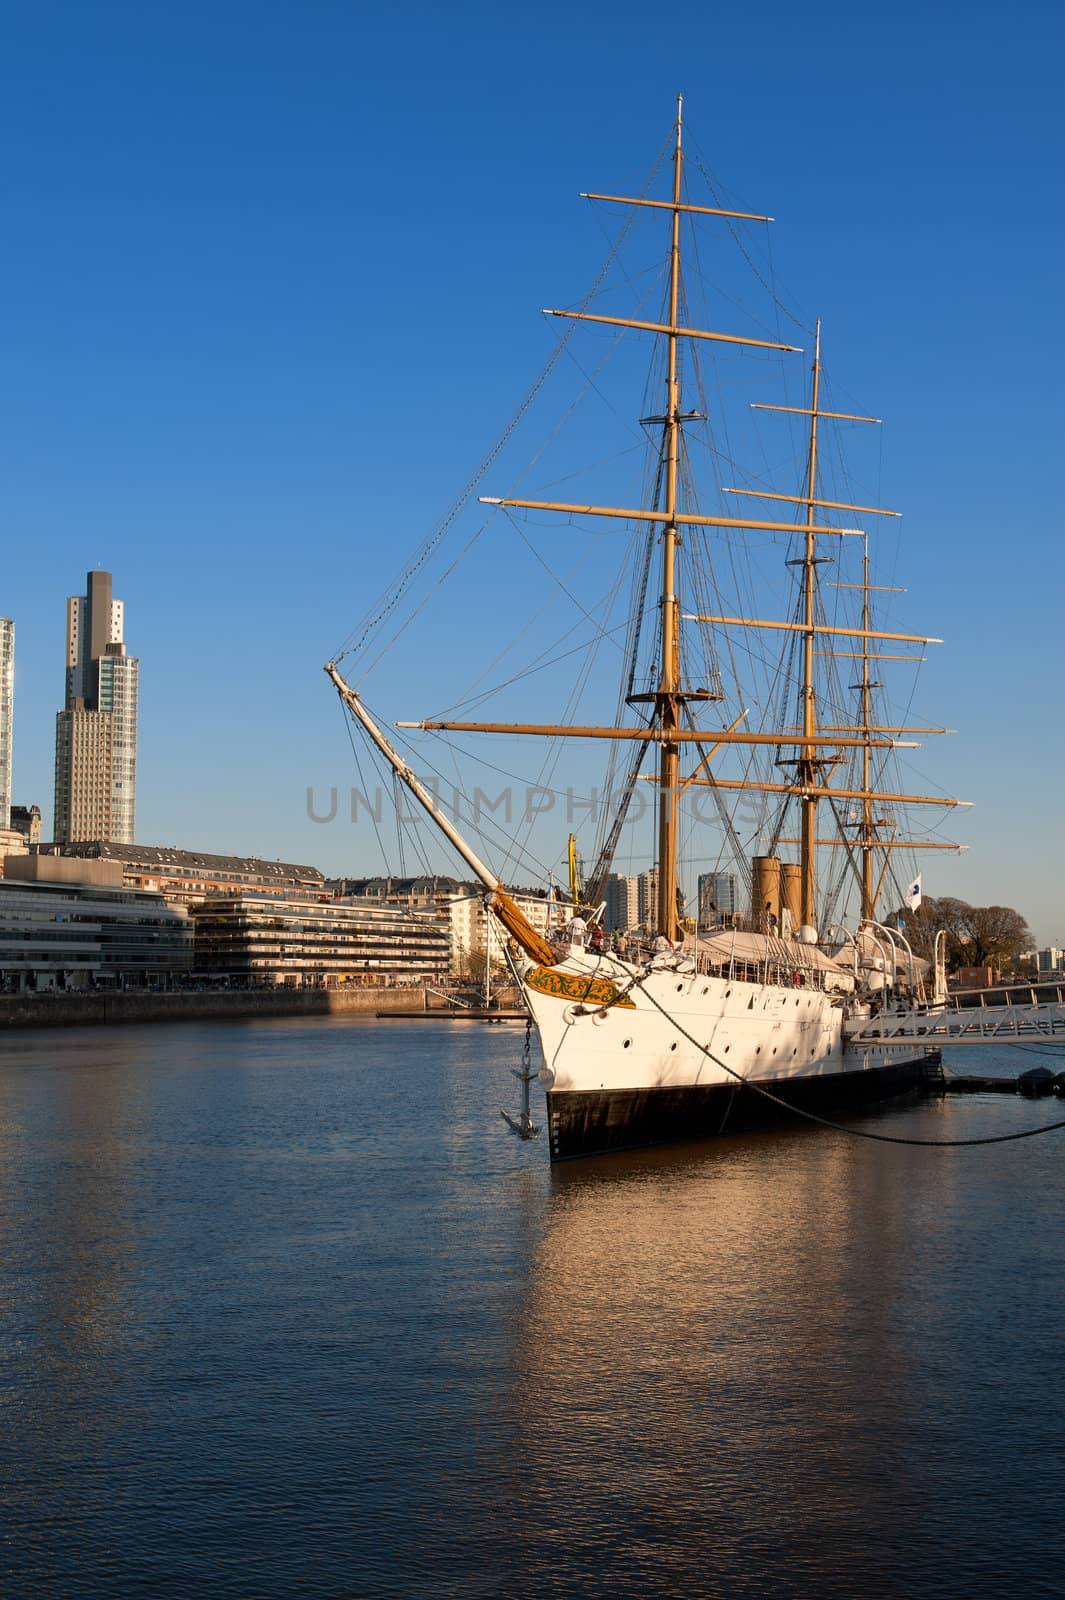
{"x": 291, "y": 939}
{"x": 622, "y": 902}
{"x": 45, "y": 867}
{"x": 1050, "y": 962}
{"x": 187, "y": 877}
{"x": 719, "y": 897}
{"x": 477, "y": 936}
{"x": 7, "y": 708}
{"x": 22, "y": 835}
{"x": 26, "y": 820}
{"x": 974, "y": 978}
{"x": 424, "y": 893}
{"x": 474, "y": 934}
{"x": 63, "y": 935}
{"x": 96, "y": 732}
{"x": 12, "y": 843}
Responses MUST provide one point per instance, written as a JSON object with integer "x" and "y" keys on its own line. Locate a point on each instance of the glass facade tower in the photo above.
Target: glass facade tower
{"x": 719, "y": 897}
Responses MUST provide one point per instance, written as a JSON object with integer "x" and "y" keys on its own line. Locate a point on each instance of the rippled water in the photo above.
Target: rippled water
{"x": 286, "y": 1313}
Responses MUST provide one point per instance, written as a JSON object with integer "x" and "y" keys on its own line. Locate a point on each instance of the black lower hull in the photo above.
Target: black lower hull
{"x": 594, "y": 1122}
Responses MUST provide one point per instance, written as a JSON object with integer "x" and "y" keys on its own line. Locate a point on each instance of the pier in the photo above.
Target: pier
{"x": 440, "y": 1014}
{"x": 1032, "y": 1014}
{"x": 1037, "y": 1082}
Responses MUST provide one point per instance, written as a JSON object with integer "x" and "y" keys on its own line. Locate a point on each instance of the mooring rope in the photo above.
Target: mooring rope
{"x": 838, "y": 1127}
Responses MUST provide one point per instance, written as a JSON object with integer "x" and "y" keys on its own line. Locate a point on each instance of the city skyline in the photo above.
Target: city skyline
{"x": 196, "y": 405}
{"x": 82, "y": 665}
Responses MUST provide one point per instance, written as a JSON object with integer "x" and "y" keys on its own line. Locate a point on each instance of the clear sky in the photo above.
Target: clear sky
{"x": 270, "y": 286}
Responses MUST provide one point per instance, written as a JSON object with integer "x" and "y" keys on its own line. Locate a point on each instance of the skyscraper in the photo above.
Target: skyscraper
{"x": 719, "y": 897}
{"x": 622, "y": 902}
{"x": 7, "y": 702}
{"x": 647, "y": 897}
{"x": 96, "y": 732}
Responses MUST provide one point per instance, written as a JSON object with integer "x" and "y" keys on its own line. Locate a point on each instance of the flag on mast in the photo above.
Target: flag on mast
{"x": 913, "y": 894}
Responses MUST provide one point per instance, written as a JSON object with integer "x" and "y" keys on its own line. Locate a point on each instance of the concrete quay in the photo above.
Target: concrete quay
{"x": 76, "y": 1010}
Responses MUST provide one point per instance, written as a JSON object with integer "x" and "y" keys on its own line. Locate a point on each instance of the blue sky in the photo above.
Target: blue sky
{"x": 271, "y": 284}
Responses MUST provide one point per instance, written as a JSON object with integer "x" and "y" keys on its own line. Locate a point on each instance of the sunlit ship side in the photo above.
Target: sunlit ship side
{"x": 642, "y": 1056}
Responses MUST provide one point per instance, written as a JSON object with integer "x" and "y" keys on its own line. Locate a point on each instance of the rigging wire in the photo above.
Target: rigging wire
{"x": 601, "y": 632}
{"x": 398, "y": 792}
{"x": 778, "y": 672}
{"x": 460, "y": 797}
{"x": 538, "y": 664}
{"x": 358, "y": 767}
{"x": 715, "y": 188}
{"x": 458, "y": 560}
{"x": 393, "y": 593}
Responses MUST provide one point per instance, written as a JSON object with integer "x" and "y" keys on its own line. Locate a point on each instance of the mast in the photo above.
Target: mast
{"x": 669, "y": 681}
{"x": 807, "y": 765}
{"x": 575, "y": 884}
{"x": 813, "y": 770}
{"x": 509, "y": 914}
{"x": 867, "y": 803}
{"x": 668, "y": 697}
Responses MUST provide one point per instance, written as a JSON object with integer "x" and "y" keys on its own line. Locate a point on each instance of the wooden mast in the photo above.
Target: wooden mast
{"x": 807, "y": 781}
{"x": 669, "y": 681}
{"x": 807, "y": 773}
{"x": 506, "y": 909}
{"x": 868, "y": 833}
{"x": 813, "y": 770}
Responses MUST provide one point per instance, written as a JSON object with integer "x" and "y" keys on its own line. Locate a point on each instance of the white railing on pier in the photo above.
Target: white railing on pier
{"x": 954, "y": 1025}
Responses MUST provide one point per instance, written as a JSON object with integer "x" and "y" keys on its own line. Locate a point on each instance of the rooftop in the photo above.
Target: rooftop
{"x": 425, "y": 884}
{"x": 161, "y": 857}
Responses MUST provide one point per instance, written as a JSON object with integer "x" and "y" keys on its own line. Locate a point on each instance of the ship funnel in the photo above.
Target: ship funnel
{"x": 765, "y": 894}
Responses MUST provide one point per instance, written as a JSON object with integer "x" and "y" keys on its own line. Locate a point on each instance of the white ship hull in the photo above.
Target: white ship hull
{"x": 636, "y": 1069}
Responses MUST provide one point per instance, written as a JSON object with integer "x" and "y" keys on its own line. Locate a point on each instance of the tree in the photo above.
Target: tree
{"x": 977, "y": 936}
{"x": 997, "y": 934}
{"x": 474, "y": 968}
{"x": 920, "y": 927}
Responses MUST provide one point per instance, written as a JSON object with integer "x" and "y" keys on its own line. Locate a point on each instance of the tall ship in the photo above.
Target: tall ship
{"x": 775, "y": 718}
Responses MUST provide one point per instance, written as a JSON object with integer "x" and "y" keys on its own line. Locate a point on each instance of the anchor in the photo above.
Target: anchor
{"x": 523, "y": 1125}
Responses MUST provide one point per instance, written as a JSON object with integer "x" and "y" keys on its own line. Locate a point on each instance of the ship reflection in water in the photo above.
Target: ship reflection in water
{"x": 764, "y": 1367}
{"x": 287, "y": 1317}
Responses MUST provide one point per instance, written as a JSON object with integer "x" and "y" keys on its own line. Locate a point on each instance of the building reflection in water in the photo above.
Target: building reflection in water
{"x": 69, "y": 1141}
{"x": 70, "y": 1165}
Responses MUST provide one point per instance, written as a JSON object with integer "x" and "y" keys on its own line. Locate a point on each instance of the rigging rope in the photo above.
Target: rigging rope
{"x": 346, "y": 714}
{"x": 396, "y": 590}
{"x": 714, "y": 188}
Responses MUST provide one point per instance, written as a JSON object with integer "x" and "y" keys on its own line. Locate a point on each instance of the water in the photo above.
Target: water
{"x": 288, "y": 1315}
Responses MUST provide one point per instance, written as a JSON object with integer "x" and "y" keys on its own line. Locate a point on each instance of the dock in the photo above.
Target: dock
{"x": 454, "y": 1015}
{"x": 1039, "y": 1082}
